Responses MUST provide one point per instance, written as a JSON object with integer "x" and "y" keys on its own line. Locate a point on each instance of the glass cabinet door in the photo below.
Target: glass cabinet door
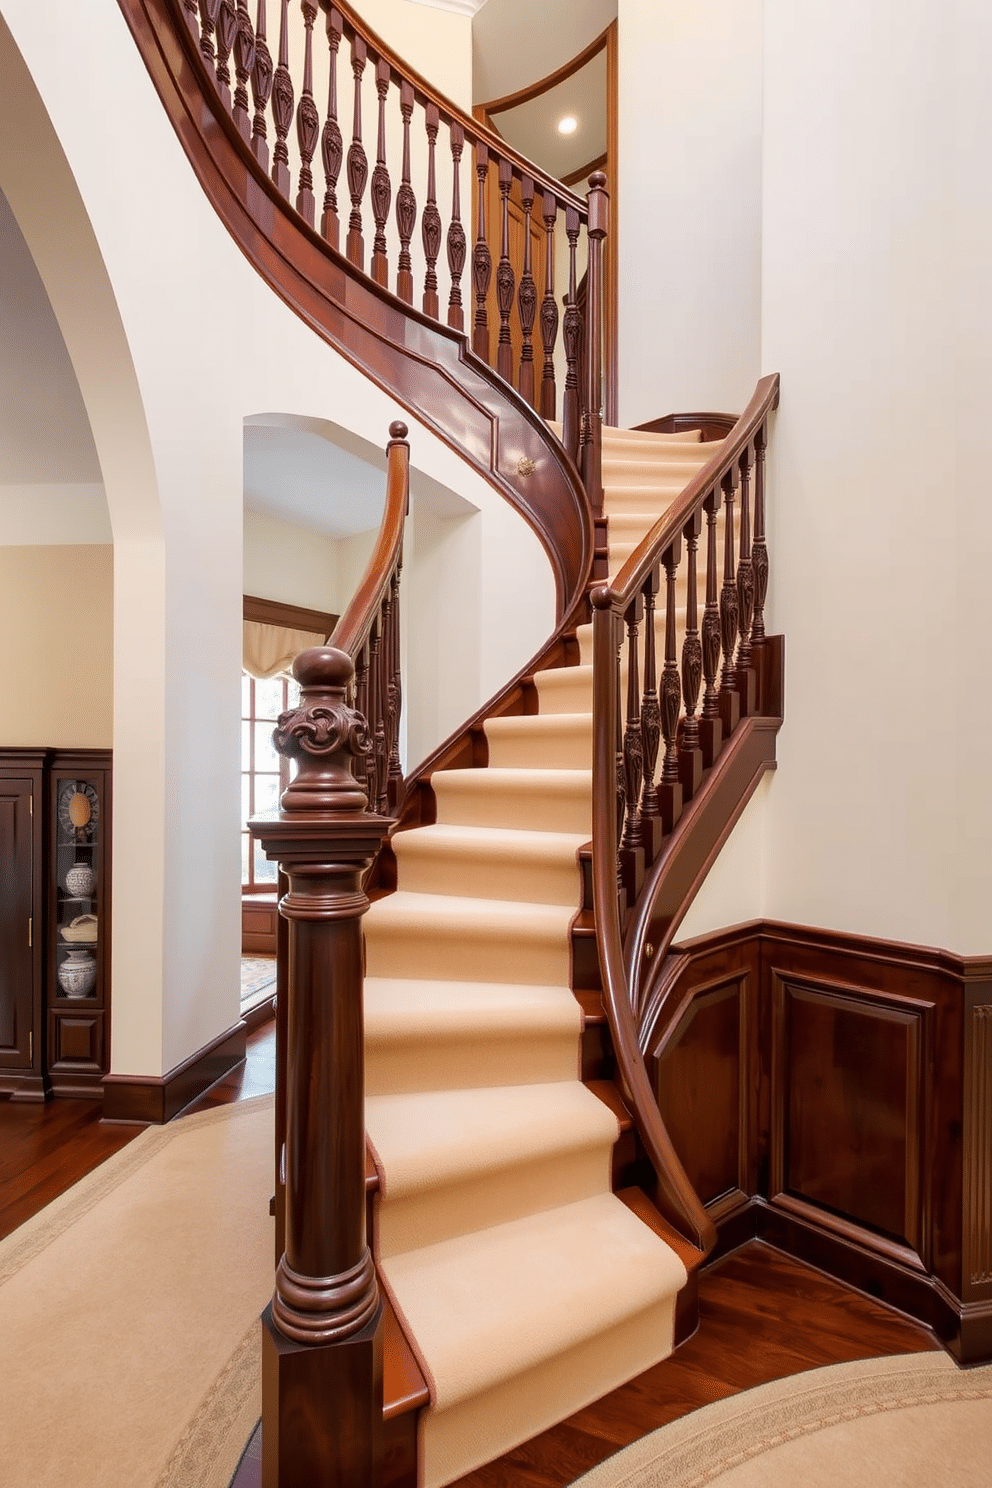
{"x": 78, "y": 891}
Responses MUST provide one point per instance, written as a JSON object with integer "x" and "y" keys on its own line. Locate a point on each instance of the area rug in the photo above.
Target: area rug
{"x": 130, "y": 1341}
{"x": 878, "y": 1423}
{"x": 258, "y": 975}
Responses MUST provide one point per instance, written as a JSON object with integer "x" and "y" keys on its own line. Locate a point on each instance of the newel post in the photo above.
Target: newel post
{"x": 592, "y": 422}
{"x": 321, "y": 1334}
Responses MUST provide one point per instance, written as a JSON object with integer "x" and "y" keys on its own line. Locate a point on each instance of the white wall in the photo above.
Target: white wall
{"x": 170, "y": 361}
{"x": 290, "y": 564}
{"x": 689, "y": 182}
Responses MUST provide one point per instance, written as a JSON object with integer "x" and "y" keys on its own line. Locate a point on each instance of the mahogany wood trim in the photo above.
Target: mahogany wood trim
{"x": 158, "y": 1098}
{"x": 712, "y": 426}
{"x": 601, "y": 163}
{"x": 293, "y": 617}
{"x": 611, "y": 254}
{"x": 353, "y": 627}
{"x": 545, "y": 84}
{"x": 263, "y": 1012}
{"x": 426, "y": 366}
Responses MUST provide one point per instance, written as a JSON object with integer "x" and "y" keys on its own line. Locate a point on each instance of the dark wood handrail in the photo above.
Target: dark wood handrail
{"x": 352, "y": 630}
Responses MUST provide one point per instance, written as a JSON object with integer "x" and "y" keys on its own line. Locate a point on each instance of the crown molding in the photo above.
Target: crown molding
{"x": 457, "y": 7}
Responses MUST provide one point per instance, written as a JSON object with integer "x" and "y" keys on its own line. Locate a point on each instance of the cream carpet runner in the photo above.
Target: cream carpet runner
{"x": 527, "y": 1288}
{"x": 907, "y": 1422}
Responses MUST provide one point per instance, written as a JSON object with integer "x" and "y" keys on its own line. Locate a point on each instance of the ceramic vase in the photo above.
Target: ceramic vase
{"x": 80, "y": 881}
{"x": 77, "y": 974}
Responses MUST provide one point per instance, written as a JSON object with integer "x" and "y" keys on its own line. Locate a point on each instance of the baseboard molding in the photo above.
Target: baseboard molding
{"x": 156, "y": 1099}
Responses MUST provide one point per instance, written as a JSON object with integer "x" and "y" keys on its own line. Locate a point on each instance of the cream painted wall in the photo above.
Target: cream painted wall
{"x": 290, "y": 564}
{"x": 61, "y": 513}
{"x": 511, "y": 52}
{"x": 436, "y": 43}
{"x": 57, "y": 612}
{"x": 689, "y": 181}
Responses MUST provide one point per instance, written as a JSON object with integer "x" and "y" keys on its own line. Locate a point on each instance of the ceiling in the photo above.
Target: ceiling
{"x": 532, "y": 127}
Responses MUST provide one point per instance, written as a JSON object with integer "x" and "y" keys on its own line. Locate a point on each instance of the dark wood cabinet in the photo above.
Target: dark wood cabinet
{"x": 55, "y": 819}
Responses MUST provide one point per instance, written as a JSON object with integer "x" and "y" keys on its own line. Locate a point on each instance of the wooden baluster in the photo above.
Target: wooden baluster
{"x": 406, "y": 202}
{"x": 690, "y": 753}
{"x": 261, "y": 88}
{"x": 331, "y": 143}
{"x": 592, "y": 414}
{"x": 650, "y": 726}
{"x": 382, "y": 191}
{"x": 244, "y": 61}
{"x": 307, "y": 120}
{"x": 227, "y": 29}
{"x": 527, "y": 296}
{"x": 710, "y": 724}
{"x": 380, "y": 753}
{"x": 430, "y": 223}
{"x": 457, "y": 244}
{"x": 282, "y": 106}
{"x": 374, "y": 706}
{"x": 321, "y": 1334}
{"x": 505, "y": 283}
{"x": 621, "y": 777}
{"x": 745, "y": 593}
{"x": 191, "y": 12}
{"x": 362, "y": 698}
{"x": 730, "y": 702}
{"x": 670, "y": 785}
{"x": 208, "y": 25}
{"x": 482, "y": 259}
{"x": 395, "y": 696}
{"x": 759, "y": 561}
{"x": 633, "y": 749}
{"x": 572, "y": 336}
{"x": 549, "y": 307}
{"x": 358, "y": 164}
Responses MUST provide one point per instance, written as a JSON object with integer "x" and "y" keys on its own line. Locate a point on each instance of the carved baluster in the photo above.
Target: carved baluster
{"x": 633, "y": 751}
{"x": 374, "y": 707}
{"x": 650, "y": 726}
{"x": 482, "y": 259}
{"x": 592, "y": 413}
{"x": 331, "y": 143}
{"x": 430, "y": 224}
{"x": 670, "y": 785}
{"x": 382, "y": 191}
{"x": 261, "y": 87}
{"x": 208, "y": 25}
{"x": 395, "y": 696}
{"x": 730, "y": 703}
{"x": 406, "y": 202}
{"x": 227, "y": 29}
{"x": 745, "y": 593}
{"x": 504, "y": 275}
{"x": 690, "y": 753}
{"x": 358, "y": 164}
{"x": 282, "y": 106}
{"x": 572, "y": 336}
{"x": 527, "y": 296}
{"x": 759, "y": 557}
{"x": 190, "y": 10}
{"x": 362, "y": 694}
{"x": 456, "y": 233}
{"x": 549, "y": 307}
{"x": 710, "y": 725}
{"x": 621, "y": 777}
{"x": 244, "y": 60}
{"x": 307, "y": 120}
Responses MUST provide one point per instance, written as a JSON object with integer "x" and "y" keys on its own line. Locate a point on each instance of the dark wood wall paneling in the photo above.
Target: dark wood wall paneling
{"x": 833, "y": 1095}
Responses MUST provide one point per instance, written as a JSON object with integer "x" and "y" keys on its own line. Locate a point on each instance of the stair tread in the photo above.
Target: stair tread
{"x": 537, "y": 842}
{"x": 404, "y": 1008}
{"x": 479, "y": 1315}
{"x": 416, "y": 911}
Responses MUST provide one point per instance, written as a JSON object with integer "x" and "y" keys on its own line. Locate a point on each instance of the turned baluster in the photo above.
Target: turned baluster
{"x": 261, "y": 88}
{"x": 331, "y": 143}
{"x": 382, "y": 191}
{"x": 456, "y": 245}
{"x": 482, "y": 259}
{"x": 430, "y": 223}
{"x": 650, "y": 726}
{"x": 374, "y": 700}
{"x": 244, "y": 61}
{"x": 670, "y": 785}
{"x": 621, "y": 774}
{"x": 361, "y": 689}
{"x": 549, "y": 307}
{"x": 190, "y": 10}
{"x": 759, "y": 560}
{"x": 592, "y": 417}
{"x": 633, "y": 751}
{"x": 358, "y": 164}
{"x": 527, "y": 296}
{"x": 745, "y": 593}
{"x": 380, "y": 754}
{"x": 406, "y": 202}
{"x": 321, "y": 1334}
{"x": 282, "y": 106}
{"x": 730, "y": 702}
{"x": 395, "y": 696}
{"x": 208, "y": 25}
{"x": 505, "y": 283}
{"x": 710, "y": 724}
{"x": 307, "y": 120}
{"x": 227, "y": 29}
{"x": 690, "y": 753}
{"x": 572, "y": 336}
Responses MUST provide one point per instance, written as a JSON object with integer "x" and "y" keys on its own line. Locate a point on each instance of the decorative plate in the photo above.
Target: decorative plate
{"x": 79, "y": 809}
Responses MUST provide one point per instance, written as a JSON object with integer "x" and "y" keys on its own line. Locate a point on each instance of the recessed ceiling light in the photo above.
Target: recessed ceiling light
{"x": 568, "y": 125}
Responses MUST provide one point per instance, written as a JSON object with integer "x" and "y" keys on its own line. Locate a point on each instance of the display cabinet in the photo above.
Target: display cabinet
{"x": 22, "y": 922}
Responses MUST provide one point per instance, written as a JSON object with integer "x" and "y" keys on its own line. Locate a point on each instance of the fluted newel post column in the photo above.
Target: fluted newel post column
{"x": 592, "y": 420}
{"x": 321, "y": 1333}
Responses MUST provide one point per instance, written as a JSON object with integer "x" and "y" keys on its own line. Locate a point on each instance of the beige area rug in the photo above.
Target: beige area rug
{"x": 914, "y": 1421}
{"x": 258, "y": 977}
{"x": 130, "y": 1340}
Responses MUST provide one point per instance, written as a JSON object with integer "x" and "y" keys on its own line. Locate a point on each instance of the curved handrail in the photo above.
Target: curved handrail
{"x": 630, "y": 814}
{"x": 354, "y": 625}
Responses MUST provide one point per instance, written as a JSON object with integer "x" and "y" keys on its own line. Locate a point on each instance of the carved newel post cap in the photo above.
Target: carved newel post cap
{"x": 323, "y": 735}
{"x": 398, "y": 431}
{"x": 597, "y": 181}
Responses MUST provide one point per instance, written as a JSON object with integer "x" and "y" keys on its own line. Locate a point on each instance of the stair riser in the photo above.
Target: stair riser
{"x": 480, "y": 1062}
{"x": 536, "y": 749}
{"x": 479, "y": 877}
{"x": 396, "y": 951}
{"x": 476, "y": 803}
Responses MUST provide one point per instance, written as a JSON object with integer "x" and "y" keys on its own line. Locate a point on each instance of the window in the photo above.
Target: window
{"x": 265, "y": 774}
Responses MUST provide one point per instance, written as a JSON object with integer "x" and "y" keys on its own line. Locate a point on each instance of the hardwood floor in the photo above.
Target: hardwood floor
{"x": 762, "y": 1314}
